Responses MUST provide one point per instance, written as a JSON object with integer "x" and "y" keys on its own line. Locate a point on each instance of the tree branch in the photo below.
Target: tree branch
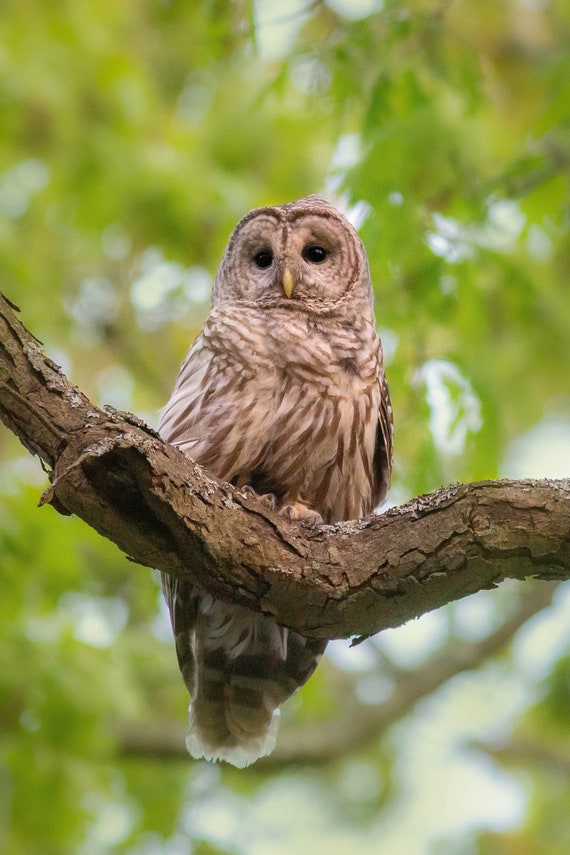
{"x": 357, "y": 724}
{"x": 164, "y": 511}
{"x": 521, "y": 751}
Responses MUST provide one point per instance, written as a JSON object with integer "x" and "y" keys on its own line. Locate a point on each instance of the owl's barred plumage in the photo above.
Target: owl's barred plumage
{"x": 283, "y": 391}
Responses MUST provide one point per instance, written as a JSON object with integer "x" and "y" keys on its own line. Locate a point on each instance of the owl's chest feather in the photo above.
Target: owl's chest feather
{"x": 329, "y": 356}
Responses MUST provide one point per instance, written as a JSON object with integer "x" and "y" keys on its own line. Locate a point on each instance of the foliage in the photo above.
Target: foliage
{"x": 134, "y": 136}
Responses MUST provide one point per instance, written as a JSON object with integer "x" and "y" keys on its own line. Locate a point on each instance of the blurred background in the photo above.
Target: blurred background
{"x": 133, "y": 136}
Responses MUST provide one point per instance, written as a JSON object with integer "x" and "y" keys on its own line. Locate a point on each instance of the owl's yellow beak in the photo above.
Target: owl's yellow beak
{"x": 288, "y": 282}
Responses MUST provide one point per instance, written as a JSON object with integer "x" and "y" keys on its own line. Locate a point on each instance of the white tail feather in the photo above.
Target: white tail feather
{"x": 243, "y": 753}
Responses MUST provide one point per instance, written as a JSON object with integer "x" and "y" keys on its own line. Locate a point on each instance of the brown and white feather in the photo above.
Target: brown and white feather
{"x": 286, "y": 394}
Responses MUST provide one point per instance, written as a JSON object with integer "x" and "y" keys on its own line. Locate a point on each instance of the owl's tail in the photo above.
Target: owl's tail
{"x": 243, "y": 667}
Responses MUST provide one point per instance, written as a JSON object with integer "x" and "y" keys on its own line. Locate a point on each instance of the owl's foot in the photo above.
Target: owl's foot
{"x": 266, "y": 499}
{"x": 301, "y": 513}
{"x": 293, "y": 511}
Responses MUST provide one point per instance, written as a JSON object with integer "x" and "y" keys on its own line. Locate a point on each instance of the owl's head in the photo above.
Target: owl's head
{"x": 303, "y": 254}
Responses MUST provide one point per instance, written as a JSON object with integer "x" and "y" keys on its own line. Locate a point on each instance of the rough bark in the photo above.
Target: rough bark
{"x": 164, "y": 511}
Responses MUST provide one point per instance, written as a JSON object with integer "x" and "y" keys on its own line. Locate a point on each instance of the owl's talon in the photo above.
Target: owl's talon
{"x": 267, "y": 499}
{"x": 299, "y": 512}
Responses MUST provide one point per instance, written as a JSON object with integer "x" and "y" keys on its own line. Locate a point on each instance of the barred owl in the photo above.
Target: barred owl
{"x": 283, "y": 393}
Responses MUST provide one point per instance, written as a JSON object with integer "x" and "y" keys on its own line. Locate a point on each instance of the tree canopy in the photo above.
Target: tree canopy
{"x": 134, "y": 136}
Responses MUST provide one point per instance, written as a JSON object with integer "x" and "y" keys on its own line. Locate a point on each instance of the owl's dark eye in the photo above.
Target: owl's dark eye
{"x": 315, "y": 254}
{"x": 263, "y": 258}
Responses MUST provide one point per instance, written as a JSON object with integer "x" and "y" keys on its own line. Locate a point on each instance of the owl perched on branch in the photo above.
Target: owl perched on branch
{"x": 282, "y": 393}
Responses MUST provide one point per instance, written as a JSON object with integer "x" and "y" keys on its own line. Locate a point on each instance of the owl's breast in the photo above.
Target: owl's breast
{"x": 290, "y": 408}
{"x": 322, "y": 438}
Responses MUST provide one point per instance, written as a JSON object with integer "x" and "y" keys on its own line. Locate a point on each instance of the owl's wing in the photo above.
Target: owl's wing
{"x": 384, "y": 441}
{"x": 183, "y": 609}
{"x": 182, "y": 417}
{"x": 216, "y": 414}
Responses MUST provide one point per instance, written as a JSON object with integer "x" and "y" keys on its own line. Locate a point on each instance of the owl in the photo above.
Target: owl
{"x": 282, "y": 394}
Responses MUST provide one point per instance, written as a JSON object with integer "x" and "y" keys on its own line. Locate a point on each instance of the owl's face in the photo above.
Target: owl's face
{"x": 304, "y": 253}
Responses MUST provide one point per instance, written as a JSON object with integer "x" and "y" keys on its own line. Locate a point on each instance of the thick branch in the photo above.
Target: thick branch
{"x": 164, "y": 511}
